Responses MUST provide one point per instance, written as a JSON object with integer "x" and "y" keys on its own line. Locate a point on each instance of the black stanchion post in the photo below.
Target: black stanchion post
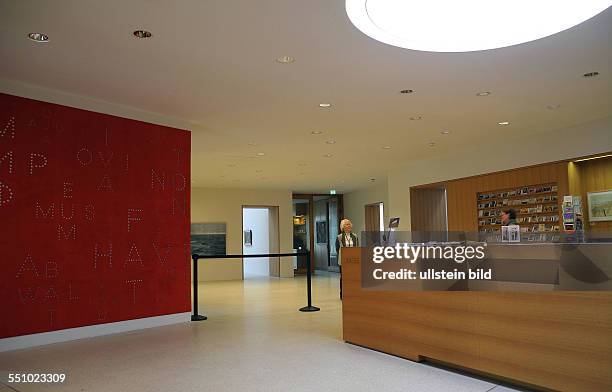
{"x": 309, "y": 308}
{"x": 195, "y": 316}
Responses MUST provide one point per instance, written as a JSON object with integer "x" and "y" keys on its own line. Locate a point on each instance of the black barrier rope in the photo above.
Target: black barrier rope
{"x": 195, "y": 257}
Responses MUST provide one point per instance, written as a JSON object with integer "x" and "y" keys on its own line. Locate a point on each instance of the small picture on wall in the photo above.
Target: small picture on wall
{"x": 600, "y": 206}
{"x": 248, "y": 238}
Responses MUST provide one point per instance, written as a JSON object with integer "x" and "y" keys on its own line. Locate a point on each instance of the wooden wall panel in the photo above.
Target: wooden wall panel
{"x": 591, "y": 176}
{"x": 428, "y": 209}
{"x": 461, "y": 193}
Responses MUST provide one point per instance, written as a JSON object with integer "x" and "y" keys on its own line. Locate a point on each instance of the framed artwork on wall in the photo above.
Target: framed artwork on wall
{"x": 208, "y": 239}
{"x": 248, "y": 238}
{"x": 600, "y": 206}
{"x": 321, "y": 232}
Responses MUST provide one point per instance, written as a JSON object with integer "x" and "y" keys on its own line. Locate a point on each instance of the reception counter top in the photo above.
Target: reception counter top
{"x": 560, "y": 340}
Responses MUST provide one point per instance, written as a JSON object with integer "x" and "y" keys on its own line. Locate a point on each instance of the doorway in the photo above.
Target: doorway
{"x": 260, "y": 235}
{"x": 326, "y": 225}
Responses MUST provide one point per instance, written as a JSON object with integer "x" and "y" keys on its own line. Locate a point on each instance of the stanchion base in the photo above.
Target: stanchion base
{"x": 309, "y": 309}
{"x": 198, "y": 317}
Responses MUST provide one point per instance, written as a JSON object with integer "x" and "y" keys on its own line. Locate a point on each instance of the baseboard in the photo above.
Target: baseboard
{"x": 64, "y": 335}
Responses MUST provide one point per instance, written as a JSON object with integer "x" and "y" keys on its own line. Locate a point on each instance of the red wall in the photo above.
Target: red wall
{"x": 94, "y": 218}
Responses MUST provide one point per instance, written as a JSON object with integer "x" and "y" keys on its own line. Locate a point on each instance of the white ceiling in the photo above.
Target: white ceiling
{"x": 213, "y": 63}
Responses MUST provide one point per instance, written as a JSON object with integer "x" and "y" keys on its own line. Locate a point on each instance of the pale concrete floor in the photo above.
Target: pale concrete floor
{"x": 254, "y": 340}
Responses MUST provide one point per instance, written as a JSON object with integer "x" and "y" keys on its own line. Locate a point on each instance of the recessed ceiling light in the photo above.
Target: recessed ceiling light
{"x": 483, "y": 93}
{"x": 253, "y": 144}
{"x": 258, "y": 171}
{"x": 431, "y": 144}
{"x": 260, "y": 154}
{"x": 332, "y": 191}
{"x": 285, "y": 59}
{"x": 445, "y": 132}
{"x": 590, "y": 74}
{"x": 142, "y": 34}
{"x": 416, "y": 118}
{"x": 38, "y": 37}
{"x": 316, "y": 132}
{"x": 407, "y": 91}
{"x": 328, "y": 155}
{"x": 553, "y": 107}
{"x": 503, "y": 123}
{"x": 331, "y": 142}
{"x": 386, "y": 147}
{"x": 372, "y": 179}
{"x": 459, "y": 26}
{"x": 325, "y": 105}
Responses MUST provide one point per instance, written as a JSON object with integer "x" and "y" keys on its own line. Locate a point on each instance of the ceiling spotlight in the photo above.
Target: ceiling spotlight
{"x": 327, "y": 155}
{"x": 258, "y": 171}
{"x": 416, "y": 118}
{"x": 445, "y": 132}
{"x": 590, "y": 74}
{"x": 285, "y": 59}
{"x": 386, "y": 147}
{"x": 316, "y": 132}
{"x": 260, "y": 154}
{"x": 431, "y": 144}
{"x": 38, "y": 37}
{"x": 325, "y": 105}
{"x": 332, "y": 191}
{"x": 331, "y": 142}
{"x": 553, "y": 107}
{"x": 483, "y": 93}
{"x": 407, "y": 91}
{"x": 372, "y": 179}
{"x": 142, "y": 34}
{"x": 464, "y": 26}
{"x": 503, "y": 123}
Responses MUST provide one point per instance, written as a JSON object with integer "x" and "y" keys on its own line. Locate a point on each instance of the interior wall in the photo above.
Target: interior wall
{"x": 580, "y": 140}
{"x": 94, "y": 216}
{"x": 355, "y": 202}
{"x": 591, "y": 176}
{"x": 257, "y": 220}
{"x": 225, "y": 205}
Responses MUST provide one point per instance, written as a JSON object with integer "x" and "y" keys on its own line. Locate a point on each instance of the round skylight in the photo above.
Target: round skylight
{"x": 464, "y": 26}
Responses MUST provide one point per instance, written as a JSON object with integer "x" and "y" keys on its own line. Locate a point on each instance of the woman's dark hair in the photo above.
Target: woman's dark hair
{"x": 511, "y": 213}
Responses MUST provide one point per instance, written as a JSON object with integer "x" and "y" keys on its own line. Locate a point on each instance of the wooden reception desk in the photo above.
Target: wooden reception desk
{"x": 551, "y": 340}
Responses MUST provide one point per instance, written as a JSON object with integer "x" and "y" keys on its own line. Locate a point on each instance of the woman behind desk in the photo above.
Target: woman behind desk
{"x": 346, "y": 239}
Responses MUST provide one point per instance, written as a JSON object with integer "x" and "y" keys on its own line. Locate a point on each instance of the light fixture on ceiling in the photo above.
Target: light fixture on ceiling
{"x": 331, "y": 142}
{"x": 285, "y": 59}
{"x": 142, "y": 34}
{"x": 431, "y": 144}
{"x": 503, "y": 123}
{"x": 407, "y": 91}
{"x": 553, "y": 107}
{"x": 325, "y": 105}
{"x": 590, "y": 74}
{"x": 302, "y": 164}
{"x": 258, "y": 171}
{"x": 38, "y": 37}
{"x": 483, "y": 93}
{"x": 253, "y": 144}
{"x": 328, "y": 155}
{"x": 260, "y": 154}
{"x": 332, "y": 191}
{"x": 445, "y": 132}
{"x": 416, "y": 118}
{"x": 591, "y": 158}
{"x": 316, "y": 132}
{"x": 386, "y": 147}
{"x": 372, "y": 179}
{"x": 459, "y": 26}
